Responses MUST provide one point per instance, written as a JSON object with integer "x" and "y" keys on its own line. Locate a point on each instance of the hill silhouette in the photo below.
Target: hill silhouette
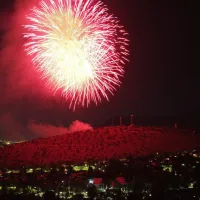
{"x": 98, "y": 144}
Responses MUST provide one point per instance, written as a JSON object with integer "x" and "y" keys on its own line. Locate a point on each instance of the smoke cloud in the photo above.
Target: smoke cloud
{"x": 18, "y": 77}
{"x": 47, "y": 130}
{"x": 13, "y": 130}
{"x": 79, "y": 126}
{"x": 10, "y": 129}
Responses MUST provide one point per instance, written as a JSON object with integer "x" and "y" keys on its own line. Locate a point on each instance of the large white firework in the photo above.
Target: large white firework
{"x": 78, "y": 46}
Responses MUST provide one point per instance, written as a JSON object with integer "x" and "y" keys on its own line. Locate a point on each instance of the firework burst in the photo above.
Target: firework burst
{"x": 78, "y": 46}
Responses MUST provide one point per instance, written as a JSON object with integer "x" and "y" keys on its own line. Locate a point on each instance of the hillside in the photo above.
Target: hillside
{"x": 98, "y": 144}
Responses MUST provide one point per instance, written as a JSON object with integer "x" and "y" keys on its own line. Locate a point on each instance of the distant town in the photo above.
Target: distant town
{"x": 158, "y": 176}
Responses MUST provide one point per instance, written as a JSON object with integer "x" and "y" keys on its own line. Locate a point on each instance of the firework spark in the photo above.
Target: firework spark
{"x": 78, "y": 46}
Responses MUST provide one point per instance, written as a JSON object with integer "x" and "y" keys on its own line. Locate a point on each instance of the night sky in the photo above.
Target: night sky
{"x": 161, "y": 79}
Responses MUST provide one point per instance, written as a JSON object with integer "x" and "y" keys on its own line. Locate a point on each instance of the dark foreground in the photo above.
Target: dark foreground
{"x": 160, "y": 176}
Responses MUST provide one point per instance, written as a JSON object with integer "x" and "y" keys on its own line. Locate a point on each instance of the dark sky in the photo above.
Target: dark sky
{"x": 162, "y": 77}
